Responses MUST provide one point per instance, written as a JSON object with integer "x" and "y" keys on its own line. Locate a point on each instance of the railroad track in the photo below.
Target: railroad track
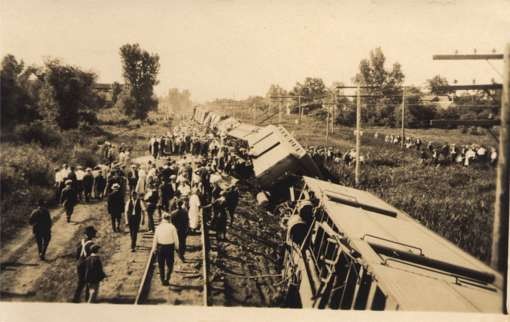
{"x": 189, "y": 282}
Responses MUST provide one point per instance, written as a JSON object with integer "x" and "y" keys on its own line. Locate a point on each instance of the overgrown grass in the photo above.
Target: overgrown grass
{"x": 454, "y": 201}
{"x": 27, "y": 162}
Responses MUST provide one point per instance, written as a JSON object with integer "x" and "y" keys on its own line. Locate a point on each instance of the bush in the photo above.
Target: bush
{"x": 26, "y": 176}
{"x": 84, "y": 157}
{"x": 38, "y": 132}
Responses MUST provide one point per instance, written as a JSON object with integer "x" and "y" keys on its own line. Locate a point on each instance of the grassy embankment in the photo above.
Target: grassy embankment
{"x": 31, "y": 153}
{"x": 454, "y": 201}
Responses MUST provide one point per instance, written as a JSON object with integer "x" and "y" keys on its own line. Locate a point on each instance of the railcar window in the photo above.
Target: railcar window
{"x": 379, "y": 302}
{"x": 363, "y": 291}
{"x": 262, "y": 138}
{"x": 266, "y": 150}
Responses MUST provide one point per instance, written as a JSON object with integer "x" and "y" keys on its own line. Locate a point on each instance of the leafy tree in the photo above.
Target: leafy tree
{"x": 435, "y": 85}
{"x": 178, "y": 101}
{"x": 66, "y": 96}
{"x": 274, "y": 91}
{"x": 373, "y": 73}
{"x": 140, "y": 70}
{"x": 17, "y": 105}
{"x": 312, "y": 89}
{"x": 417, "y": 113}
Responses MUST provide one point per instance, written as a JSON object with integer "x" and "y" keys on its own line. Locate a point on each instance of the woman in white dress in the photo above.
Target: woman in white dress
{"x": 141, "y": 185}
{"x": 194, "y": 210}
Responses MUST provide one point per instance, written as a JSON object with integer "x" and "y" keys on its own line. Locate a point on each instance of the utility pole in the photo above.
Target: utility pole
{"x": 300, "y": 110}
{"x": 499, "y": 251}
{"x": 334, "y": 114}
{"x": 280, "y": 112}
{"x": 358, "y": 133}
{"x": 403, "y": 116}
{"x": 327, "y": 124}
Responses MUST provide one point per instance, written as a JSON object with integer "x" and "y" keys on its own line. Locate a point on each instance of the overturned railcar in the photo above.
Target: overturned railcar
{"x": 227, "y": 124}
{"x": 200, "y": 115}
{"x": 347, "y": 249}
{"x": 276, "y": 155}
{"x": 243, "y": 131}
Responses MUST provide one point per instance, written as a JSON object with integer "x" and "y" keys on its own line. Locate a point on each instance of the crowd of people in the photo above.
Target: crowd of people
{"x": 188, "y": 179}
{"x": 444, "y": 153}
{"x": 431, "y": 153}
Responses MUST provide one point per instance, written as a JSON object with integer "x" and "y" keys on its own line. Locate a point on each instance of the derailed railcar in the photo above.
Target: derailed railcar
{"x": 276, "y": 155}
{"x": 200, "y": 115}
{"x": 227, "y": 124}
{"x": 243, "y": 131}
{"x": 347, "y": 249}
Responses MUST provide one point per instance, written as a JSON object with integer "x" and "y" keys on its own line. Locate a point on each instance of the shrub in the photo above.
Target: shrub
{"x": 38, "y": 132}
{"x": 84, "y": 157}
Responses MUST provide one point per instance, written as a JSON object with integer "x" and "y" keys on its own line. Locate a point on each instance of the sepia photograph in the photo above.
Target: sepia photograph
{"x": 226, "y": 160}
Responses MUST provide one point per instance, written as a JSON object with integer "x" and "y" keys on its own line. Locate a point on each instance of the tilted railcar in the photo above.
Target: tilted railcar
{"x": 347, "y": 249}
{"x": 227, "y": 124}
{"x": 243, "y": 132}
{"x": 276, "y": 154}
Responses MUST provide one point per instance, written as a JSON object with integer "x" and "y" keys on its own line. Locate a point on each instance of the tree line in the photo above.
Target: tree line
{"x": 62, "y": 96}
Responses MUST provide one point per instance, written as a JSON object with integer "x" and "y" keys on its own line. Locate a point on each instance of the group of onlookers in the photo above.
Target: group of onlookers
{"x": 444, "y": 153}
{"x": 172, "y": 196}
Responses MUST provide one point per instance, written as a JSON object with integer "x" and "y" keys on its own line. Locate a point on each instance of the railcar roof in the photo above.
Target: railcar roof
{"x": 365, "y": 220}
{"x": 242, "y": 131}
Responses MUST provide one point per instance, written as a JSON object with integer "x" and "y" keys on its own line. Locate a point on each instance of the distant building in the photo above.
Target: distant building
{"x": 441, "y": 101}
{"x": 105, "y": 90}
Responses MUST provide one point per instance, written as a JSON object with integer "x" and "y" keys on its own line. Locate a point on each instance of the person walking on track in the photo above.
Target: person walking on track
{"x": 69, "y": 199}
{"x": 180, "y": 220}
{"x": 82, "y": 252}
{"x": 88, "y": 184}
{"x": 40, "y": 220}
{"x": 133, "y": 216}
{"x": 165, "y": 242}
{"x": 115, "y": 206}
{"x": 93, "y": 275}
{"x": 194, "y": 210}
{"x": 152, "y": 199}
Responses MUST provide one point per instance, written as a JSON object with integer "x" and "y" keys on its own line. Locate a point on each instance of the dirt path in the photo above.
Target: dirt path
{"x": 22, "y": 272}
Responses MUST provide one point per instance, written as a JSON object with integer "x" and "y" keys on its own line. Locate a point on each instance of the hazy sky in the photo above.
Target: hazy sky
{"x": 238, "y": 48}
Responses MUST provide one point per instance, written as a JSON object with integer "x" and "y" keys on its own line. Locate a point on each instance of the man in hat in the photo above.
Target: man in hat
{"x": 83, "y": 250}
{"x": 152, "y": 199}
{"x": 99, "y": 185}
{"x": 40, "y": 220}
{"x": 115, "y": 206}
{"x": 93, "y": 274}
{"x": 180, "y": 219}
{"x": 165, "y": 242}
{"x": 167, "y": 193}
{"x": 132, "y": 177}
{"x": 88, "y": 184}
{"x": 68, "y": 199}
{"x": 133, "y": 217}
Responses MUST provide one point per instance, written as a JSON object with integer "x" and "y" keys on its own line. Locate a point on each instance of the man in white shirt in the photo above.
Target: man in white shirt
{"x": 165, "y": 241}
{"x": 79, "y": 181}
